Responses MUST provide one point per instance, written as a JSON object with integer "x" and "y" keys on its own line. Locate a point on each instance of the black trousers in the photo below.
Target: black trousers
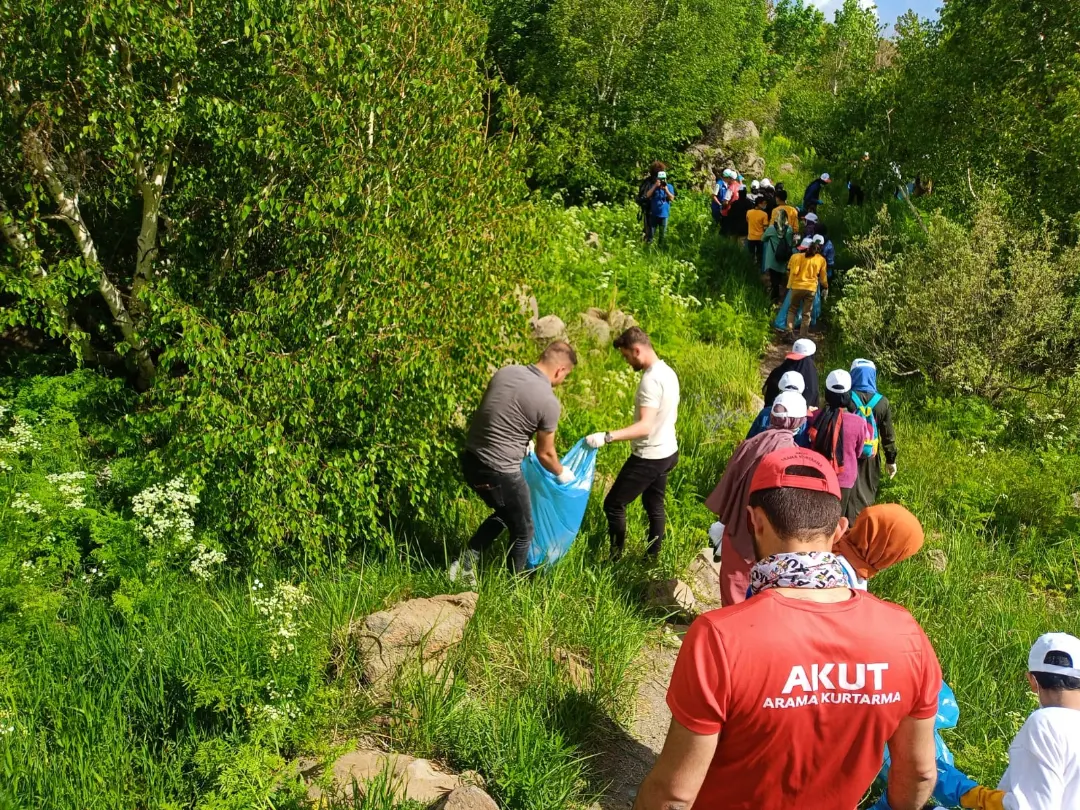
{"x": 508, "y": 496}
{"x": 777, "y": 284}
{"x": 855, "y": 195}
{"x": 647, "y": 478}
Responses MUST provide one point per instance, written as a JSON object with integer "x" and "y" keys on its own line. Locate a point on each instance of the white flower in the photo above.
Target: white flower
{"x": 164, "y": 513}
{"x": 27, "y": 505}
{"x": 280, "y": 610}
{"x": 204, "y": 561}
{"x": 71, "y": 486}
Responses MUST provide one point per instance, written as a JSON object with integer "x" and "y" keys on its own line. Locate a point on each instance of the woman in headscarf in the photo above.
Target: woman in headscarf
{"x": 800, "y": 359}
{"x": 731, "y": 496}
{"x": 868, "y": 401}
{"x": 838, "y": 432}
{"x": 774, "y": 270}
{"x": 789, "y": 381}
{"x": 882, "y": 536}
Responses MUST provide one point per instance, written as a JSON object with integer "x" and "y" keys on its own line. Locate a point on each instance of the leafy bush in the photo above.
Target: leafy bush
{"x": 981, "y": 309}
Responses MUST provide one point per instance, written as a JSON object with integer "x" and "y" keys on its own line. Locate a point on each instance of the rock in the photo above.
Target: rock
{"x": 577, "y": 669}
{"x": 672, "y": 595}
{"x": 620, "y": 322}
{"x": 593, "y": 240}
{"x": 527, "y": 303}
{"x": 415, "y": 780}
{"x": 548, "y": 328}
{"x": 596, "y": 328}
{"x": 787, "y": 168}
{"x": 739, "y": 130}
{"x": 1076, "y": 500}
{"x": 468, "y": 797}
{"x": 417, "y": 630}
{"x": 755, "y": 166}
{"x": 704, "y": 576}
{"x": 939, "y": 561}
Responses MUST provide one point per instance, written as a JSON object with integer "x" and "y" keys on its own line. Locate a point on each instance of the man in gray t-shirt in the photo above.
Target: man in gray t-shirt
{"x": 519, "y": 404}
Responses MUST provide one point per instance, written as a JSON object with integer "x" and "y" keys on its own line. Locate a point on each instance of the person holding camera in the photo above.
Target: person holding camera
{"x": 660, "y": 197}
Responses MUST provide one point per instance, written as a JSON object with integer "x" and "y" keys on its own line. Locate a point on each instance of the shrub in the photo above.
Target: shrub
{"x": 980, "y": 308}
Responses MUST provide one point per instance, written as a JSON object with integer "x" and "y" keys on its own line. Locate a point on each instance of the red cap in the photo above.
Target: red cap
{"x": 772, "y": 472}
{"x": 794, "y": 356}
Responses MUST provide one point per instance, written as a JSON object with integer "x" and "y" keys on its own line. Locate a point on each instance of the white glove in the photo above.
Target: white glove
{"x": 596, "y": 440}
{"x": 891, "y": 470}
{"x": 716, "y": 533}
{"x": 530, "y": 449}
{"x": 566, "y": 476}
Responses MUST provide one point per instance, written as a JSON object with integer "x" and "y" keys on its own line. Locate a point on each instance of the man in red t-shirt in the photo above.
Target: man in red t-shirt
{"x": 786, "y": 701}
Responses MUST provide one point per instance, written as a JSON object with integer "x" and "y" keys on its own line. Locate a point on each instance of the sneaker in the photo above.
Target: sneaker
{"x": 464, "y": 567}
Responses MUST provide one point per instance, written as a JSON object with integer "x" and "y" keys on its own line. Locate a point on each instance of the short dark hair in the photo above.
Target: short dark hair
{"x": 1053, "y": 682}
{"x": 559, "y": 351}
{"x": 761, "y": 199}
{"x": 781, "y": 195}
{"x": 634, "y": 336}
{"x": 799, "y": 514}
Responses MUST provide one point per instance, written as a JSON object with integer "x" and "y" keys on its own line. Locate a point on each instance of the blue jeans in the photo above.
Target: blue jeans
{"x": 657, "y": 225}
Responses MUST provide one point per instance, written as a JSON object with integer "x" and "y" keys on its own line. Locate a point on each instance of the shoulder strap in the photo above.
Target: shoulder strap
{"x": 874, "y": 400}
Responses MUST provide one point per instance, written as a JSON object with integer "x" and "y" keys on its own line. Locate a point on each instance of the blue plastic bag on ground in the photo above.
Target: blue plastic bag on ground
{"x": 558, "y": 509}
{"x": 780, "y": 321}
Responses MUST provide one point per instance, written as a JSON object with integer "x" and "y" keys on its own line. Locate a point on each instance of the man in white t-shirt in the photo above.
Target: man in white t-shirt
{"x": 654, "y": 448}
{"x": 1044, "y": 758}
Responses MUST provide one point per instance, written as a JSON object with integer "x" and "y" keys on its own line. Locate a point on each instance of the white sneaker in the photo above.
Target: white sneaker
{"x": 464, "y": 567}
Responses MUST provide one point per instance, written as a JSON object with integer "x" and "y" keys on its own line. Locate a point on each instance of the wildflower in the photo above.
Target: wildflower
{"x": 27, "y": 505}
{"x": 71, "y": 487}
{"x": 164, "y": 512}
{"x": 280, "y": 610}
{"x": 205, "y": 559}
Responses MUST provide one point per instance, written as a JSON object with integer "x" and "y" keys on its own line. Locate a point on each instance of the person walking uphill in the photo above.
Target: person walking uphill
{"x": 800, "y": 359}
{"x": 788, "y": 699}
{"x": 875, "y": 409}
{"x": 787, "y": 417}
{"x": 838, "y": 433}
{"x": 778, "y": 245}
{"x": 518, "y": 404}
{"x": 805, "y": 272}
{"x": 654, "y": 446}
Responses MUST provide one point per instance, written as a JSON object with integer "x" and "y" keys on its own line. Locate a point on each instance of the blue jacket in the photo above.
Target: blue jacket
{"x": 661, "y": 205}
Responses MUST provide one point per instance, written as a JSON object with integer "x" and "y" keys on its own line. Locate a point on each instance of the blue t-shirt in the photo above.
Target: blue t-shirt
{"x": 661, "y": 205}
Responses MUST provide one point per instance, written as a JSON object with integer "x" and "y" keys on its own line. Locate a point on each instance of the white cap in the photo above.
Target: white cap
{"x": 661, "y": 175}
{"x": 819, "y": 238}
{"x": 792, "y": 381}
{"x": 1055, "y": 642}
{"x": 804, "y": 346}
{"x": 805, "y": 243}
{"x": 766, "y": 183}
{"x": 755, "y": 184}
{"x": 811, "y": 217}
{"x": 730, "y": 173}
{"x": 862, "y": 362}
{"x": 838, "y": 381}
{"x": 789, "y": 404}
{"x": 826, "y": 177}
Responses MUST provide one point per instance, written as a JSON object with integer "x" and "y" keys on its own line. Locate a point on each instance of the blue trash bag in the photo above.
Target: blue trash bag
{"x": 951, "y": 784}
{"x": 780, "y": 321}
{"x": 558, "y": 509}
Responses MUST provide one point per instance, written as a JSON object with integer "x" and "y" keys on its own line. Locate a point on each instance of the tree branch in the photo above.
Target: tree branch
{"x": 57, "y": 307}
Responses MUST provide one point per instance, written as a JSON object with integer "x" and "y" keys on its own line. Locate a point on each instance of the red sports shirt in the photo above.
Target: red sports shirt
{"x": 804, "y": 696}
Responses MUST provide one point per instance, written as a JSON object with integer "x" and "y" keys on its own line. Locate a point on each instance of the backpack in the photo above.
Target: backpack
{"x": 783, "y": 249}
{"x": 643, "y": 200}
{"x": 866, "y": 411}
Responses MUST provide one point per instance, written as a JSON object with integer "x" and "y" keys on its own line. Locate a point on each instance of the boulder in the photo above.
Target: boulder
{"x": 596, "y": 328}
{"x": 704, "y": 576}
{"x": 939, "y": 560}
{"x": 620, "y": 321}
{"x": 593, "y": 240}
{"x": 421, "y": 630}
{"x": 673, "y": 596}
{"x": 754, "y": 165}
{"x": 467, "y": 797}
{"x": 548, "y": 328}
{"x": 414, "y": 780}
{"x": 787, "y": 168}
{"x": 1076, "y": 500}
{"x": 739, "y": 130}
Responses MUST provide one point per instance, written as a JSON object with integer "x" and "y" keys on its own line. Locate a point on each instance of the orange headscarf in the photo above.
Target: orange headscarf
{"x": 883, "y": 535}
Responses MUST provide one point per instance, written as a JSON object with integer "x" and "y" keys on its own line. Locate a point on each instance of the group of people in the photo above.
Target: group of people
{"x": 790, "y": 693}
{"x": 519, "y": 408}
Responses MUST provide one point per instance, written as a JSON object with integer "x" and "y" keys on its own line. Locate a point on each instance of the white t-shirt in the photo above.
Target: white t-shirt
{"x": 1044, "y": 762}
{"x": 659, "y": 388}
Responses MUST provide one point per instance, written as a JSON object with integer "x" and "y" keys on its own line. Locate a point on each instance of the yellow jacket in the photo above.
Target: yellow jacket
{"x": 806, "y": 272}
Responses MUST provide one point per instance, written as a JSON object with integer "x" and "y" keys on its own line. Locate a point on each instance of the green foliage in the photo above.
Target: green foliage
{"x": 982, "y": 309}
{"x": 624, "y": 82}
